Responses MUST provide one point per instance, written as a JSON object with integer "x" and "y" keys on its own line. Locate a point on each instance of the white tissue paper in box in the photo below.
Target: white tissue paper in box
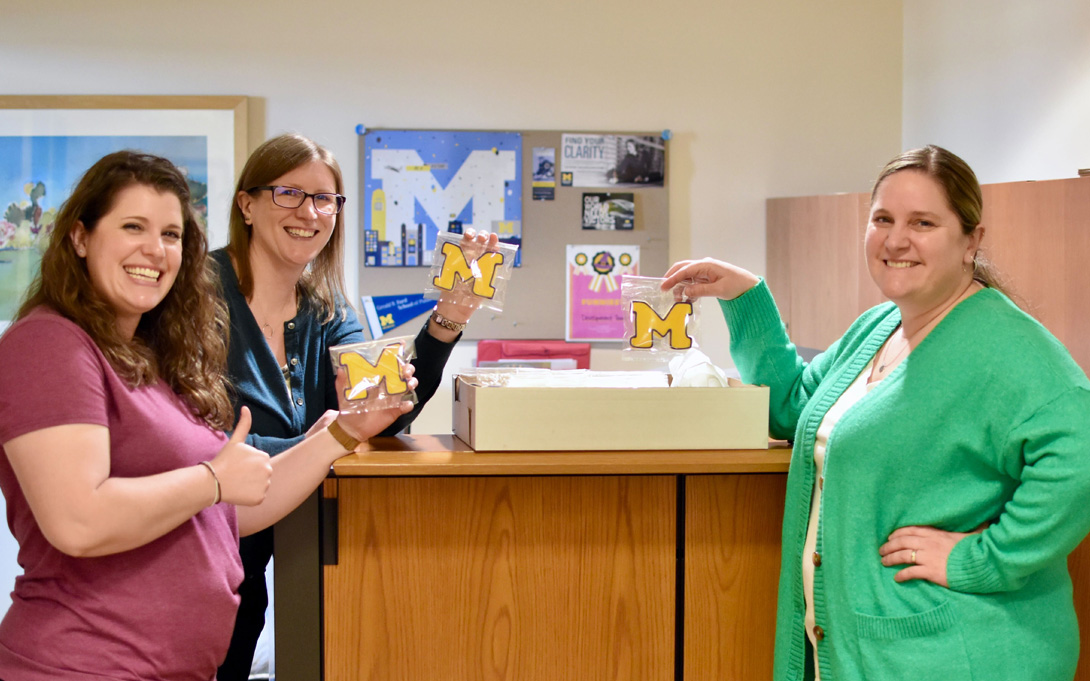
{"x": 694, "y": 369}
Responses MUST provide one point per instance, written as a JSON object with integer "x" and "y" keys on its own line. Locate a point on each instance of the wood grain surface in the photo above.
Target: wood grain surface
{"x": 815, "y": 266}
{"x": 732, "y": 568}
{"x": 1078, "y": 564}
{"x": 446, "y": 455}
{"x": 500, "y": 578}
{"x": 1037, "y": 236}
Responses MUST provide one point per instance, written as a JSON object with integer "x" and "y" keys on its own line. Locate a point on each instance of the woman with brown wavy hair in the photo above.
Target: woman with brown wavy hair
{"x": 121, "y": 486}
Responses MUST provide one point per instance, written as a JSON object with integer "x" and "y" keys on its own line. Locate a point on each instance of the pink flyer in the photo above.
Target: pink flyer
{"x": 594, "y": 310}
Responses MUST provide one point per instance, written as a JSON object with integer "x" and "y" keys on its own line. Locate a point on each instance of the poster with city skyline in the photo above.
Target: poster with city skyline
{"x": 417, "y": 184}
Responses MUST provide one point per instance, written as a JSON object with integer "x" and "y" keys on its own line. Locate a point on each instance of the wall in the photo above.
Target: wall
{"x": 765, "y": 99}
{"x": 1002, "y": 83}
{"x": 783, "y": 97}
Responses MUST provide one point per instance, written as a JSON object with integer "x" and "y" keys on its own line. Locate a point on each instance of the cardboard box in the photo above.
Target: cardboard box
{"x": 566, "y": 419}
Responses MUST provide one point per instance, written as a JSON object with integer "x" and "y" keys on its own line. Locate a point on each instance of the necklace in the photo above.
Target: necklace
{"x": 884, "y": 361}
{"x": 284, "y": 314}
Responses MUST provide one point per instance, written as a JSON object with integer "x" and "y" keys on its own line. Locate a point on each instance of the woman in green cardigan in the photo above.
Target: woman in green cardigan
{"x": 941, "y": 464}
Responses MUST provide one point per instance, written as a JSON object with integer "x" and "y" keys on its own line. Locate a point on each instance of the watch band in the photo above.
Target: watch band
{"x": 456, "y": 327}
{"x": 341, "y": 435}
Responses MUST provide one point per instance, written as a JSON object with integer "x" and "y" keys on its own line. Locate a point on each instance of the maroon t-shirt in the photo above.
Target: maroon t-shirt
{"x": 161, "y": 611}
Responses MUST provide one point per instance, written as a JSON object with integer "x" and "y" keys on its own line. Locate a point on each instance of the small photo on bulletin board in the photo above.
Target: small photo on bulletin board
{"x": 609, "y": 211}
{"x": 614, "y": 160}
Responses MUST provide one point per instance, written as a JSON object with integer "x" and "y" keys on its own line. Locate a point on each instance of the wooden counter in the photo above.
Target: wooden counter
{"x": 452, "y": 564}
{"x": 446, "y": 455}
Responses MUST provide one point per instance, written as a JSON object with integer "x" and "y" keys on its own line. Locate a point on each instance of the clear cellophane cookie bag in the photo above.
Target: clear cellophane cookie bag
{"x": 468, "y": 273}
{"x": 371, "y": 375}
{"x": 657, "y": 323}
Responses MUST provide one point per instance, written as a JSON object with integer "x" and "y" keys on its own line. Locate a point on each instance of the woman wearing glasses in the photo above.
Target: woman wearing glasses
{"x": 282, "y": 278}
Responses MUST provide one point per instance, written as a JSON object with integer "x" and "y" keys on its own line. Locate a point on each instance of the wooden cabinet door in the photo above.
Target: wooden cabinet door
{"x": 815, "y": 267}
{"x": 503, "y": 578}
{"x": 732, "y": 569}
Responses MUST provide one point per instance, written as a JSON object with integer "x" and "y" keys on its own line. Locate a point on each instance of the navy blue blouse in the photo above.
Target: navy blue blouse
{"x": 258, "y": 383}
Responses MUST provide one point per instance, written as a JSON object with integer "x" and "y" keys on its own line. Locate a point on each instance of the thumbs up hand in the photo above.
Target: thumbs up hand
{"x": 244, "y": 472}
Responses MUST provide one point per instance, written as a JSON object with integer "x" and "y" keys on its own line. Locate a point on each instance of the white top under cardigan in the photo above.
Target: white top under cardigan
{"x": 855, "y": 392}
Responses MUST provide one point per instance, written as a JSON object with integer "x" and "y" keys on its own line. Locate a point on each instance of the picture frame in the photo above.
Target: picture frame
{"x": 48, "y": 141}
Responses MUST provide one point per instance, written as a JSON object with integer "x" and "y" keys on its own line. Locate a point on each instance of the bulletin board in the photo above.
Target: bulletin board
{"x": 535, "y": 304}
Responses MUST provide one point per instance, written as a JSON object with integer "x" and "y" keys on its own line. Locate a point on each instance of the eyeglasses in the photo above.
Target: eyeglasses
{"x": 290, "y": 197}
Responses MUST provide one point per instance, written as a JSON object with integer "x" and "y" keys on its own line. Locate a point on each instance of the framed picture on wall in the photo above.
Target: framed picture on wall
{"x": 47, "y": 142}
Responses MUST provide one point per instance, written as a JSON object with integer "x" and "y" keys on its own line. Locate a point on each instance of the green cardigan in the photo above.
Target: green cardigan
{"x": 987, "y": 420}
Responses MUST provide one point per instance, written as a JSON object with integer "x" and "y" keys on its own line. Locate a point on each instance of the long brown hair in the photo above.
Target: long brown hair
{"x": 182, "y": 338}
{"x": 962, "y": 189}
{"x": 322, "y": 284}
